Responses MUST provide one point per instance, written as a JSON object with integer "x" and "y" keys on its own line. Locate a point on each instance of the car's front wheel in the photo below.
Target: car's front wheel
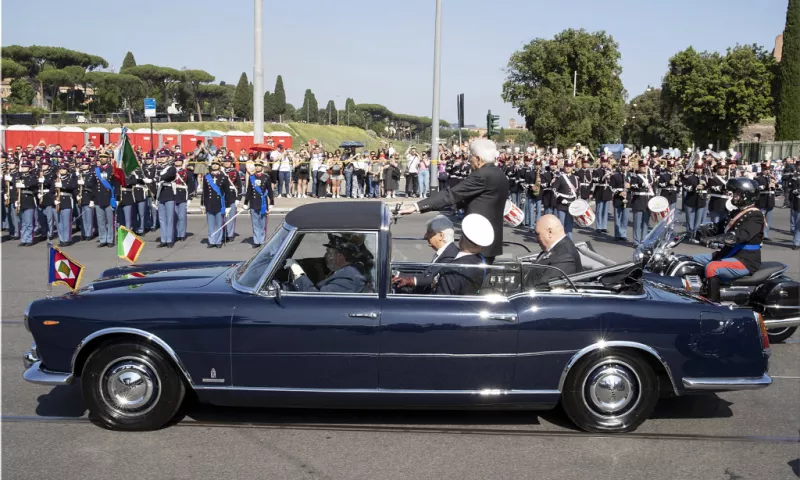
{"x": 131, "y": 386}
{"x": 612, "y": 391}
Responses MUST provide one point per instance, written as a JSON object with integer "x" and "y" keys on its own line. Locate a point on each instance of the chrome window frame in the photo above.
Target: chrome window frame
{"x": 259, "y": 285}
{"x": 486, "y": 298}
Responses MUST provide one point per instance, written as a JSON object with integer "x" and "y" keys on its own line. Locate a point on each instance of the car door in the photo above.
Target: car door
{"x": 306, "y": 340}
{"x": 447, "y": 343}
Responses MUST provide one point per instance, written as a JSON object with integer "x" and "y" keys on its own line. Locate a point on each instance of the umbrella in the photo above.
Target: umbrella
{"x": 208, "y": 133}
{"x": 351, "y": 144}
{"x": 262, "y": 148}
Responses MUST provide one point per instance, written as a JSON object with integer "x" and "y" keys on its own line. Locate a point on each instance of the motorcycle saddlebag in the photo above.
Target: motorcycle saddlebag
{"x": 777, "y": 298}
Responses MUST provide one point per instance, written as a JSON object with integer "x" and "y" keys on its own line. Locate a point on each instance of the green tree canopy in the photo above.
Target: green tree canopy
{"x": 193, "y": 79}
{"x": 279, "y": 98}
{"x": 310, "y": 109}
{"x": 158, "y": 79}
{"x": 649, "y": 122}
{"x": 243, "y": 98}
{"x": 718, "y": 95}
{"x": 330, "y": 112}
{"x": 12, "y": 69}
{"x": 128, "y": 62}
{"x": 787, "y": 121}
{"x": 22, "y": 92}
{"x": 269, "y": 106}
{"x": 539, "y": 84}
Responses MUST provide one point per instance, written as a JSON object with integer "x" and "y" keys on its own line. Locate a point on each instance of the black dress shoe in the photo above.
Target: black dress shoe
{"x": 210, "y": 246}
{"x": 161, "y": 245}
{"x": 110, "y": 245}
{"x": 256, "y": 246}
{"x": 181, "y": 239}
{"x": 170, "y": 245}
{"x": 103, "y": 244}
{"x": 218, "y": 246}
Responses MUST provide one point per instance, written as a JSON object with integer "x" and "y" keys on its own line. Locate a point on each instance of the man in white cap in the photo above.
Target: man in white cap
{"x": 455, "y": 279}
{"x": 483, "y": 192}
{"x": 440, "y": 235}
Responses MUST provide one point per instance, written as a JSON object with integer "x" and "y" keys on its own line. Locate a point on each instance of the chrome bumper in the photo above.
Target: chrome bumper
{"x": 34, "y": 372}
{"x": 720, "y": 384}
{"x": 782, "y": 322}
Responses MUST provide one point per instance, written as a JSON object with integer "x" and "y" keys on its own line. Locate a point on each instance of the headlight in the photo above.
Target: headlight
{"x": 638, "y": 255}
{"x": 25, "y": 317}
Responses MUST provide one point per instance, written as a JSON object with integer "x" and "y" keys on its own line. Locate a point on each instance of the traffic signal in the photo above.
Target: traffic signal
{"x": 492, "y": 124}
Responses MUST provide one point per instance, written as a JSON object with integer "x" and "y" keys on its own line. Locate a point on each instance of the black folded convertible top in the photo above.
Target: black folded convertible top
{"x": 364, "y": 215}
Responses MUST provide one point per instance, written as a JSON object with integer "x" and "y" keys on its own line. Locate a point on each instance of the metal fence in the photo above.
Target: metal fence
{"x": 756, "y": 151}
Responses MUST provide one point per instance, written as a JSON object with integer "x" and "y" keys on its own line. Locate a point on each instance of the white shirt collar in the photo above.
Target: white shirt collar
{"x": 441, "y": 250}
{"x": 556, "y": 243}
{"x": 463, "y": 254}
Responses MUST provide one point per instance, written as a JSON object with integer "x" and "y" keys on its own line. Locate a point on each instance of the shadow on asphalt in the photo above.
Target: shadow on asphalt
{"x": 62, "y": 401}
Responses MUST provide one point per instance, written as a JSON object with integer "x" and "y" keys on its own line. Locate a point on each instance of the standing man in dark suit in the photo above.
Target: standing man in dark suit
{"x": 557, "y": 251}
{"x": 483, "y": 192}
{"x": 440, "y": 235}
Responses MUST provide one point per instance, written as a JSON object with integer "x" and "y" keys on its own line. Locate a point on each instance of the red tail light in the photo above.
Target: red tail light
{"x": 763, "y": 329}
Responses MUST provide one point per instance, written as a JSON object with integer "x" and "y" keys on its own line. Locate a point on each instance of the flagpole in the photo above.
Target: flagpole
{"x": 49, "y": 285}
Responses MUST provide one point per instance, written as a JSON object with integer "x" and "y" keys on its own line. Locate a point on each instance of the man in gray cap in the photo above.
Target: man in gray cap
{"x": 439, "y": 234}
{"x": 463, "y": 276}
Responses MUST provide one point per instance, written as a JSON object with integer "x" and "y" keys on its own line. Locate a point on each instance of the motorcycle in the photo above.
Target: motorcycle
{"x": 767, "y": 291}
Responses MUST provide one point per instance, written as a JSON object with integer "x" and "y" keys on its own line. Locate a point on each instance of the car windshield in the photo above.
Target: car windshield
{"x": 249, "y": 272}
{"x": 656, "y": 237}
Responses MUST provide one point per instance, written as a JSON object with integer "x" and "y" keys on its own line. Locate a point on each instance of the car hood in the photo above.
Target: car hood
{"x": 160, "y": 276}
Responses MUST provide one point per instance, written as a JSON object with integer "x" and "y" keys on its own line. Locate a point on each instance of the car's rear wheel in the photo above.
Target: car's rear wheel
{"x": 612, "y": 391}
{"x": 131, "y": 386}
{"x": 779, "y": 335}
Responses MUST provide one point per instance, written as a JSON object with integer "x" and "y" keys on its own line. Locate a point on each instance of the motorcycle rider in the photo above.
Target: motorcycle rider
{"x": 741, "y": 238}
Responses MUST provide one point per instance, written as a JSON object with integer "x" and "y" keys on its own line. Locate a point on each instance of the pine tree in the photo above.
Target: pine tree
{"x": 269, "y": 107}
{"x": 279, "y": 98}
{"x": 349, "y": 110}
{"x": 242, "y": 98}
{"x": 787, "y": 122}
{"x": 128, "y": 62}
{"x": 330, "y": 113}
{"x": 310, "y": 109}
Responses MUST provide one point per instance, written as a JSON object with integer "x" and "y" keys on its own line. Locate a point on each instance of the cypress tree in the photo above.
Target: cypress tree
{"x": 787, "y": 125}
{"x": 242, "y": 98}
{"x": 128, "y": 62}
{"x": 279, "y": 98}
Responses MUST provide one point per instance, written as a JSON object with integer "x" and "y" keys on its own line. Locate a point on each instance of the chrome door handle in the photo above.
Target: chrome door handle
{"x": 501, "y": 317}
{"x": 364, "y": 315}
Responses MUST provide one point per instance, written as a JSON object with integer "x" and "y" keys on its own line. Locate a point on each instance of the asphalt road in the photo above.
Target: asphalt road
{"x": 45, "y": 432}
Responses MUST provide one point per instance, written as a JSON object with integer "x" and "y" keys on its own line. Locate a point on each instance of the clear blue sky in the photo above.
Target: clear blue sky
{"x": 381, "y": 51}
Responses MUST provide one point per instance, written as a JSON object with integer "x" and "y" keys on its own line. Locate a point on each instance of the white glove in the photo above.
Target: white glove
{"x": 91, "y": 204}
{"x": 81, "y": 182}
{"x": 41, "y": 180}
{"x": 296, "y": 269}
{"x": 20, "y": 185}
{"x": 188, "y": 203}
{"x": 147, "y": 180}
{"x": 7, "y": 178}
{"x": 203, "y": 210}
{"x": 236, "y": 203}
{"x": 245, "y": 207}
{"x": 564, "y": 201}
{"x": 58, "y": 184}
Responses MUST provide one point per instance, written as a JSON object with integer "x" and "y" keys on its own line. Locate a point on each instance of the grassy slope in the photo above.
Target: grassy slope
{"x": 331, "y": 136}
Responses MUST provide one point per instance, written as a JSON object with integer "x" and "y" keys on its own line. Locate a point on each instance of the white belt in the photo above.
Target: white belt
{"x": 44, "y": 191}
{"x": 762, "y": 193}
{"x": 64, "y": 194}
{"x": 669, "y": 188}
{"x": 585, "y": 184}
{"x": 717, "y": 195}
{"x": 642, "y": 193}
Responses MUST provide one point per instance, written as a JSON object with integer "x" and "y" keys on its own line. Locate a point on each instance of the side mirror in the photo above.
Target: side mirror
{"x": 275, "y": 291}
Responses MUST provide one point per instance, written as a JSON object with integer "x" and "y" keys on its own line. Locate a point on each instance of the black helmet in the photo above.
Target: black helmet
{"x": 743, "y": 191}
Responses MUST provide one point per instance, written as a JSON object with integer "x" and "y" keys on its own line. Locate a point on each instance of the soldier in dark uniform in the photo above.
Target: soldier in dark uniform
{"x": 181, "y": 198}
{"x": 533, "y": 193}
{"x": 66, "y": 184}
{"x": 258, "y": 198}
{"x": 641, "y": 188}
{"x": 792, "y": 189}
{"x": 717, "y": 196}
{"x": 47, "y": 203}
{"x": 232, "y": 196}
{"x": 619, "y": 188}
{"x": 26, "y": 182}
{"x": 548, "y": 179}
{"x": 695, "y": 185}
{"x": 165, "y": 196}
{"x": 141, "y": 194}
{"x": 584, "y": 174}
{"x": 668, "y": 184}
{"x": 150, "y": 171}
{"x": 741, "y": 238}
{"x": 566, "y": 189}
{"x": 212, "y": 203}
{"x": 511, "y": 170}
{"x": 127, "y": 200}
{"x": 10, "y": 196}
{"x": 602, "y": 193}
{"x": 87, "y": 185}
{"x": 766, "y": 198}
{"x": 105, "y": 201}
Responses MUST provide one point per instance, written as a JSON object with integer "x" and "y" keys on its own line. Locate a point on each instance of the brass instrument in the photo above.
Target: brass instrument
{"x": 41, "y": 184}
{"x": 8, "y": 186}
{"x": 537, "y": 186}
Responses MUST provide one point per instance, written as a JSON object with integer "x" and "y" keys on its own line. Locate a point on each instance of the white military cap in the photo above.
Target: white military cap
{"x": 478, "y": 230}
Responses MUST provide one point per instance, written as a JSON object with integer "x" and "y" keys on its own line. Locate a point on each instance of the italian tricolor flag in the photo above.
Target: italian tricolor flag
{"x": 129, "y": 245}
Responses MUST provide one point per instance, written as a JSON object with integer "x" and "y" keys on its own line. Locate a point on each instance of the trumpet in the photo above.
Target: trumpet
{"x": 536, "y": 187}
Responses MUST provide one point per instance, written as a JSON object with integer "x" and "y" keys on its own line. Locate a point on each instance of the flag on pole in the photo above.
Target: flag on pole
{"x": 64, "y": 270}
{"x": 125, "y": 160}
{"x": 129, "y": 245}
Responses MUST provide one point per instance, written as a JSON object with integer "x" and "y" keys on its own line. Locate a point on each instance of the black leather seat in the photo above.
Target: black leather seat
{"x": 767, "y": 270}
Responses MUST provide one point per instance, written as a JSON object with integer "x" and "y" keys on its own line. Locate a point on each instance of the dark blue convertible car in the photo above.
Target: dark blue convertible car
{"x": 607, "y": 346}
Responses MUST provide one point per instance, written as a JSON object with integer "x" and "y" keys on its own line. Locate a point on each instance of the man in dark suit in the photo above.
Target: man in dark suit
{"x": 557, "y": 251}
{"x": 483, "y": 192}
{"x": 439, "y": 234}
{"x": 459, "y": 277}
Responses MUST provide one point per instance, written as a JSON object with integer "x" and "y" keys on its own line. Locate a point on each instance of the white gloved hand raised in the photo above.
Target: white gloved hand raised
{"x": 58, "y": 184}
{"x": 296, "y": 269}
{"x": 91, "y": 204}
{"x": 564, "y": 201}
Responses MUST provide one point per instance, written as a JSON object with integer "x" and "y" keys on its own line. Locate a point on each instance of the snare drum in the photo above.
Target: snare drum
{"x": 512, "y": 214}
{"x": 582, "y": 212}
{"x": 659, "y": 208}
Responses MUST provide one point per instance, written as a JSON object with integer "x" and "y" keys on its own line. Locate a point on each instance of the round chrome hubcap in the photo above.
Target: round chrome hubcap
{"x": 611, "y": 388}
{"x": 130, "y": 386}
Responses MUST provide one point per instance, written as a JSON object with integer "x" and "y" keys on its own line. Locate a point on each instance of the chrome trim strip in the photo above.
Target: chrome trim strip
{"x": 131, "y": 331}
{"x": 734, "y": 383}
{"x": 395, "y": 354}
{"x": 610, "y": 344}
{"x": 782, "y": 322}
{"x": 26, "y": 316}
{"x": 487, "y": 392}
{"x": 36, "y": 374}
{"x": 778, "y": 307}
